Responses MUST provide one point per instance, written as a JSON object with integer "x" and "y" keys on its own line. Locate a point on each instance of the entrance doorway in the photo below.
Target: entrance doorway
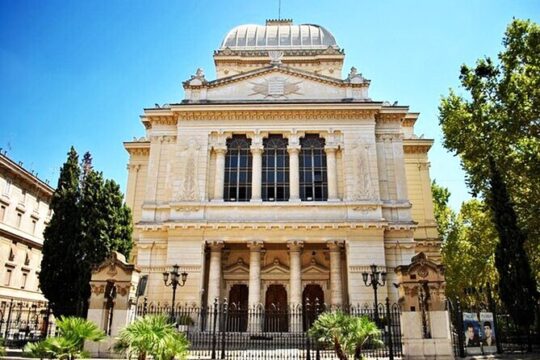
{"x": 276, "y": 310}
{"x": 312, "y": 304}
{"x": 238, "y": 308}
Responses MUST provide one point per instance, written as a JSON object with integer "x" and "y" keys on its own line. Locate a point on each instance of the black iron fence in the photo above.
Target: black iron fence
{"x": 507, "y": 336}
{"x": 24, "y": 321}
{"x": 230, "y": 331}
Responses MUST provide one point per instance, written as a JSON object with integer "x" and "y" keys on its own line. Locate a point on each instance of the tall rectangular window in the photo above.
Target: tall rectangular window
{"x": 2, "y": 212}
{"x": 24, "y": 279}
{"x": 7, "y": 277}
{"x": 238, "y": 168}
{"x": 19, "y": 220}
{"x": 7, "y": 188}
{"x": 275, "y": 169}
{"x": 313, "y": 173}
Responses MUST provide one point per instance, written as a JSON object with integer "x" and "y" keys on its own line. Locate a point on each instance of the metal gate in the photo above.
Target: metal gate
{"x": 228, "y": 331}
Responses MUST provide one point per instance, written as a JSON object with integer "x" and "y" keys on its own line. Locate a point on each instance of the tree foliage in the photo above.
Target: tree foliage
{"x": 498, "y": 123}
{"x": 69, "y": 344}
{"x": 89, "y": 221}
{"x": 346, "y": 334}
{"x": 468, "y": 252}
{"x": 152, "y": 335}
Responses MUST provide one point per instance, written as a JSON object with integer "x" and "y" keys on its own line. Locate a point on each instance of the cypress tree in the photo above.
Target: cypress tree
{"x": 59, "y": 271}
{"x": 517, "y": 287}
{"x": 89, "y": 221}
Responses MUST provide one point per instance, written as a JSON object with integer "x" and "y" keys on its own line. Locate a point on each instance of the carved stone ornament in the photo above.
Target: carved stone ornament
{"x": 276, "y": 87}
{"x": 188, "y": 190}
{"x": 363, "y": 189}
{"x": 275, "y": 57}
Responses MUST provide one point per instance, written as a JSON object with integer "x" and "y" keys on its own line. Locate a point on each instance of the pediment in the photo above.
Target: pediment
{"x": 240, "y": 267}
{"x": 315, "y": 268}
{"x": 275, "y": 268}
{"x": 273, "y": 83}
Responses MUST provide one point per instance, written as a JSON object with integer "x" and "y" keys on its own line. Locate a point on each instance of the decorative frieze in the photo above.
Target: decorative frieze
{"x": 261, "y": 115}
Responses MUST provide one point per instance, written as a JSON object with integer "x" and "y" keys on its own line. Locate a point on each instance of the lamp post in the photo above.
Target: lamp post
{"x": 374, "y": 279}
{"x": 176, "y": 280}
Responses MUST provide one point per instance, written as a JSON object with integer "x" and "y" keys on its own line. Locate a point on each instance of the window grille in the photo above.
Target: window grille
{"x": 313, "y": 172}
{"x": 275, "y": 169}
{"x": 238, "y": 168}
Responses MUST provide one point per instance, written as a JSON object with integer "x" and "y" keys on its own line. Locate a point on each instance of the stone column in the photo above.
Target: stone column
{"x": 214, "y": 272}
{"x": 254, "y": 295}
{"x": 336, "y": 287}
{"x": 256, "y": 176}
{"x": 295, "y": 283}
{"x": 331, "y": 171}
{"x": 294, "y": 173}
{"x": 220, "y": 173}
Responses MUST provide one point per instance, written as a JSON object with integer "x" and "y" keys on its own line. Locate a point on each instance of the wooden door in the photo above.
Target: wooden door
{"x": 237, "y": 317}
{"x": 276, "y": 310}
{"x": 312, "y": 304}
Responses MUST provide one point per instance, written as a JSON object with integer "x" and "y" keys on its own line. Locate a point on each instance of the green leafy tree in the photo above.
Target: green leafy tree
{"x": 59, "y": 276}
{"x": 498, "y": 124}
{"x": 444, "y": 215}
{"x": 346, "y": 334}
{"x": 89, "y": 221}
{"x": 468, "y": 252}
{"x": 154, "y": 336}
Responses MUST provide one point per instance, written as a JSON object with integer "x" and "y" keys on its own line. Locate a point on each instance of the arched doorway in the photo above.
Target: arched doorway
{"x": 312, "y": 304}
{"x": 276, "y": 310}
{"x": 238, "y": 308}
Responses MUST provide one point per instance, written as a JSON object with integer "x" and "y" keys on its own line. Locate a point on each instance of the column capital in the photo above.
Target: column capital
{"x": 215, "y": 245}
{"x": 220, "y": 149}
{"x": 255, "y": 245}
{"x": 331, "y": 148}
{"x": 256, "y": 149}
{"x": 293, "y": 149}
{"x": 295, "y": 245}
{"x": 335, "y": 245}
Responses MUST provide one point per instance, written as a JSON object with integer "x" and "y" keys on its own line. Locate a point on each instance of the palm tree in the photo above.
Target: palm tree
{"x": 69, "y": 345}
{"x": 347, "y": 334}
{"x": 152, "y": 335}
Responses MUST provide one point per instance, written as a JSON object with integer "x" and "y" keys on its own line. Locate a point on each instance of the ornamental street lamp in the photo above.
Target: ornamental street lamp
{"x": 376, "y": 279}
{"x": 176, "y": 279}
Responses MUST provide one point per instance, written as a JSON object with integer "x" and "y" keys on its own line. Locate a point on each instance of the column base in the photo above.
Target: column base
{"x": 294, "y": 200}
{"x": 217, "y": 201}
{"x": 255, "y": 201}
{"x": 334, "y": 200}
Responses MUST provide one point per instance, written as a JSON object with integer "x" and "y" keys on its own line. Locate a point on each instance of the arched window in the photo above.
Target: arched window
{"x": 275, "y": 169}
{"x": 238, "y": 169}
{"x": 313, "y": 174}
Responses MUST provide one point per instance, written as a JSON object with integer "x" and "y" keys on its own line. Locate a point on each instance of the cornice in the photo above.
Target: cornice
{"x": 281, "y": 69}
{"x": 417, "y": 146}
{"x": 31, "y": 182}
{"x": 256, "y": 114}
{"x": 137, "y": 147}
{"x": 153, "y": 227}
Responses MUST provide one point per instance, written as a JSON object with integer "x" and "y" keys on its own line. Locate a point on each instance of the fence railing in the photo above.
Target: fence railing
{"x": 231, "y": 331}
{"x": 24, "y": 321}
{"x": 509, "y": 338}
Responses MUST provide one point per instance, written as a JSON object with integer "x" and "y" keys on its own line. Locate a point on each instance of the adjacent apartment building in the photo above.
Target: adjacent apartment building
{"x": 24, "y": 213}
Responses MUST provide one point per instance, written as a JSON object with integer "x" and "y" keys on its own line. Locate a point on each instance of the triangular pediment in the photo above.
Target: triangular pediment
{"x": 275, "y": 268}
{"x": 315, "y": 268}
{"x": 271, "y": 83}
{"x": 240, "y": 267}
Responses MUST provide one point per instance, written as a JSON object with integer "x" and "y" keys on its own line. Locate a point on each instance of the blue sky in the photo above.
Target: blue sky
{"x": 80, "y": 72}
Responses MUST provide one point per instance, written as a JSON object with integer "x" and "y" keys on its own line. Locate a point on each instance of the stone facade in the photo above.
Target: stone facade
{"x": 326, "y": 183}
{"x": 24, "y": 213}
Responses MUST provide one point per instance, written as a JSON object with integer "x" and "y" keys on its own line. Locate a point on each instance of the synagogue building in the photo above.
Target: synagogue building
{"x": 279, "y": 180}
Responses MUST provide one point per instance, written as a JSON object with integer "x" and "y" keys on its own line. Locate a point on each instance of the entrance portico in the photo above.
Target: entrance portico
{"x": 276, "y": 275}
